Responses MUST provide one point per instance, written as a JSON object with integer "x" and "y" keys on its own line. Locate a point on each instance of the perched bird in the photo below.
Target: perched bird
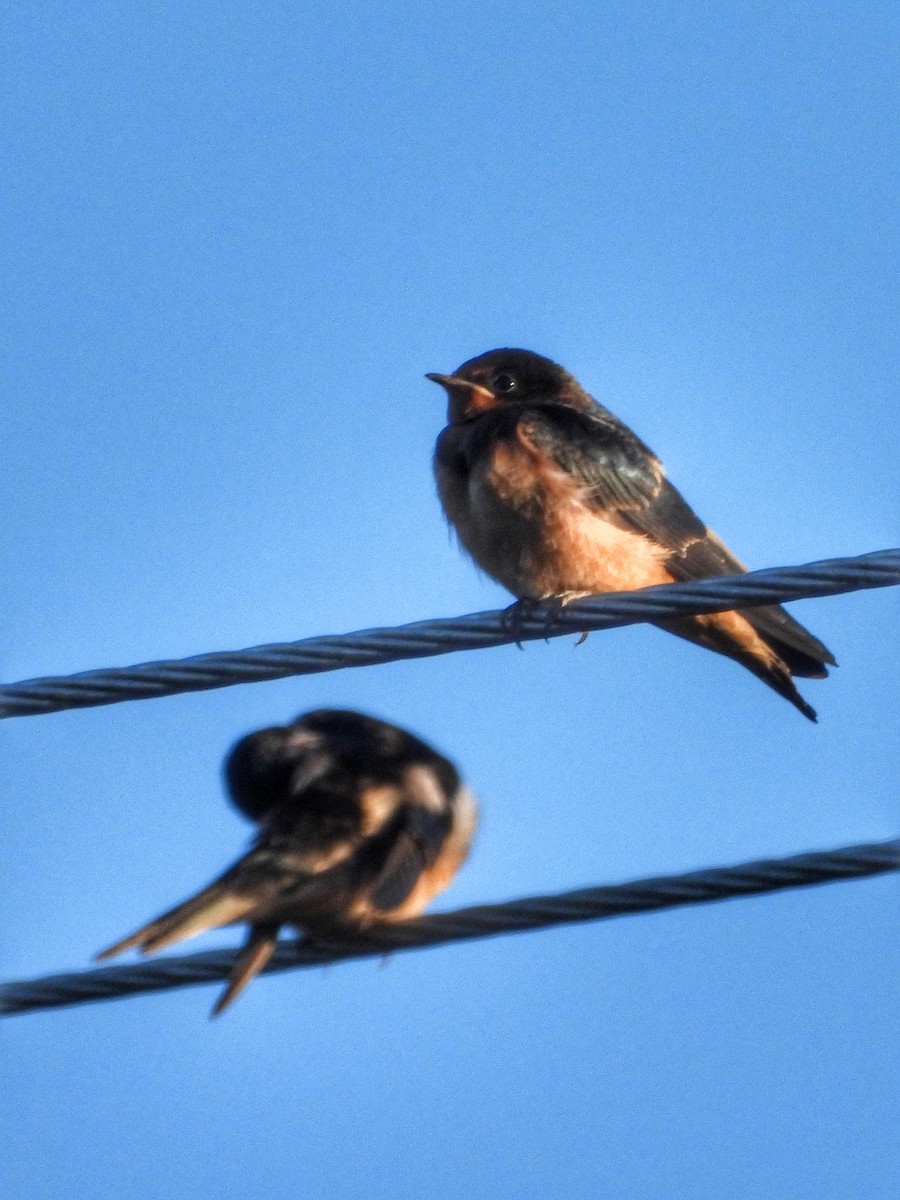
{"x": 359, "y": 821}
{"x": 556, "y": 498}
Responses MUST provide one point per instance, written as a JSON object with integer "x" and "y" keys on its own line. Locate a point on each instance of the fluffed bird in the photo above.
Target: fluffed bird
{"x": 556, "y": 498}
{"x": 359, "y": 822}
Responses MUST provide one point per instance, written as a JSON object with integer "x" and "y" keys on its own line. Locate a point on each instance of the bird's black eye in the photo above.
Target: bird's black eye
{"x": 504, "y": 382}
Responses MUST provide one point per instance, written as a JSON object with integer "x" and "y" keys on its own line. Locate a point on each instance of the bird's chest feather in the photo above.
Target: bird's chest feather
{"x": 530, "y": 524}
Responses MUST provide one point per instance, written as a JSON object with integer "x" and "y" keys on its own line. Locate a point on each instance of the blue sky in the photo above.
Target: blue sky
{"x": 233, "y": 238}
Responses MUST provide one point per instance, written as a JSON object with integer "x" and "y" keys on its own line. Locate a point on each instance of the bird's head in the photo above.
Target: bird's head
{"x": 507, "y": 377}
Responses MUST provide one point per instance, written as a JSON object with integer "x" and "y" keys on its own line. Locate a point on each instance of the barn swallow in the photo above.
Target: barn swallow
{"x": 359, "y": 822}
{"x": 556, "y": 498}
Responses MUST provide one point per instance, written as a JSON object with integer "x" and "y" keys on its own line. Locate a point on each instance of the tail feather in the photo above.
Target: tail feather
{"x": 802, "y": 653}
{"x": 216, "y": 905}
{"x": 778, "y": 677}
{"x": 256, "y": 953}
{"x": 733, "y": 635}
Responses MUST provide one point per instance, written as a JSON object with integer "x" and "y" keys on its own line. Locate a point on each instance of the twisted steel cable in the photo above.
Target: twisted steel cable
{"x": 465, "y": 924}
{"x": 424, "y": 639}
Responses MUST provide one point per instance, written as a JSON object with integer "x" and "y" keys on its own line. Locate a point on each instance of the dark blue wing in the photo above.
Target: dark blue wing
{"x": 618, "y": 473}
{"x": 414, "y": 847}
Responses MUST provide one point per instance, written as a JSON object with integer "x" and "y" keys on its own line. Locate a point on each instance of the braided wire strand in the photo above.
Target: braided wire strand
{"x": 465, "y": 924}
{"x": 424, "y": 639}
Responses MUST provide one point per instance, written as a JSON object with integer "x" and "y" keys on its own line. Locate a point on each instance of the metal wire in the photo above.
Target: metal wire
{"x": 466, "y": 924}
{"x": 424, "y": 639}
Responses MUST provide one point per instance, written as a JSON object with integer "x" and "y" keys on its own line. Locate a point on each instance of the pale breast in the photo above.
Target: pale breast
{"x": 529, "y": 524}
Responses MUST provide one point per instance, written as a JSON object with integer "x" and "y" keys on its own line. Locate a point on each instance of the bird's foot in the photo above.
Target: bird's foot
{"x": 513, "y": 619}
{"x": 567, "y": 598}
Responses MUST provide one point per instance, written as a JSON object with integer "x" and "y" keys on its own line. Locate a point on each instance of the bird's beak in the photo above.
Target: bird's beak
{"x": 467, "y": 399}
